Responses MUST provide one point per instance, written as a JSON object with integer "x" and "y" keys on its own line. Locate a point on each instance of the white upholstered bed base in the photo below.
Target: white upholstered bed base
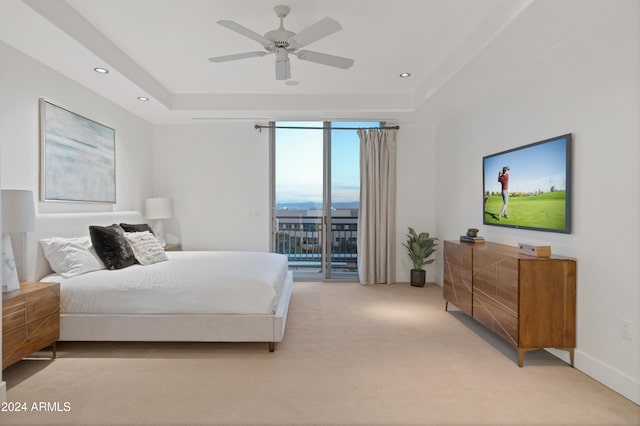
{"x": 145, "y": 327}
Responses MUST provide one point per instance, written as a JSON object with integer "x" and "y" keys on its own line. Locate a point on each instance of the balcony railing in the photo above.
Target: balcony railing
{"x": 301, "y": 240}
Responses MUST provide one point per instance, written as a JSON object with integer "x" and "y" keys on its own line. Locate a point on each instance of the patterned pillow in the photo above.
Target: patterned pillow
{"x": 146, "y": 248}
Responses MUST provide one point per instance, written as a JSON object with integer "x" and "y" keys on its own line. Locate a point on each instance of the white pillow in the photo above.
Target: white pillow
{"x": 146, "y": 247}
{"x": 71, "y": 256}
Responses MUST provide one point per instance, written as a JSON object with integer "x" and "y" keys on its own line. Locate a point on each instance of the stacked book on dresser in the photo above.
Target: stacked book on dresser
{"x": 472, "y": 236}
{"x": 469, "y": 239}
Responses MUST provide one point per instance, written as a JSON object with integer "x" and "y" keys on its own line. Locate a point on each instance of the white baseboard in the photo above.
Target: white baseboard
{"x": 608, "y": 376}
{"x": 402, "y": 277}
{"x": 3, "y": 391}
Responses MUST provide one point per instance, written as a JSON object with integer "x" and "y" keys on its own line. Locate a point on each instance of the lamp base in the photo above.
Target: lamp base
{"x": 10, "y": 280}
{"x": 158, "y": 229}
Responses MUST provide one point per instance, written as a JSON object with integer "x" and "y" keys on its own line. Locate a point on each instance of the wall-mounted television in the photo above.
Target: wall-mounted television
{"x": 529, "y": 187}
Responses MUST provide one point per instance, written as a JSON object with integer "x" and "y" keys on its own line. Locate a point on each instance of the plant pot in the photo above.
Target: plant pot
{"x": 418, "y": 277}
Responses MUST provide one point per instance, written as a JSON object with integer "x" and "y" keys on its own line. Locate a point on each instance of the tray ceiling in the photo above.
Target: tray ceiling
{"x": 160, "y": 49}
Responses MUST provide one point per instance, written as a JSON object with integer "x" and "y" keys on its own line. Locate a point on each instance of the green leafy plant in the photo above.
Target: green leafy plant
{"x": 420, "y": 247}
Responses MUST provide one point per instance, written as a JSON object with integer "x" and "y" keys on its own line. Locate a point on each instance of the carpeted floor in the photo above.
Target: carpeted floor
{"x": 352, "y": 355}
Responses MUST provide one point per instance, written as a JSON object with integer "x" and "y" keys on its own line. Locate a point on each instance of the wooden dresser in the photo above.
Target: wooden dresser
{"x": 528, "y": 301}
{"x": 30, "y": 320}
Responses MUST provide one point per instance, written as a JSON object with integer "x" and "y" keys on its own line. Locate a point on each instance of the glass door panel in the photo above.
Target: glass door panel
{"x": 299, "y": 197}
{"x": 317, "y": 197}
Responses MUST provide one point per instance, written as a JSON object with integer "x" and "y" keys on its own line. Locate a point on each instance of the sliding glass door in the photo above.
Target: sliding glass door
{"x": 316, "y": 190}
{"x": 299, "y": 197}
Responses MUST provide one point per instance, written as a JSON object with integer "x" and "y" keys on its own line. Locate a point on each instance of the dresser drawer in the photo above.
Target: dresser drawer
{"x": 496, "y": 276}
{"x": 496, "y": 318}
{"x": 458, "y": 275}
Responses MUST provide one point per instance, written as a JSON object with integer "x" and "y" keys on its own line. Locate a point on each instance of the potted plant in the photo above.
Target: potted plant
{"x": 420, "y": 247}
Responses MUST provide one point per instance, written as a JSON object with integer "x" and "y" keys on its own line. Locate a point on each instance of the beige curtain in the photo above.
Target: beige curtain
{"x": 376, "y": 221}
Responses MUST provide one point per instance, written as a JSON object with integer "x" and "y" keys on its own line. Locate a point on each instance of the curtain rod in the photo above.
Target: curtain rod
{"x": 261, "y": 126}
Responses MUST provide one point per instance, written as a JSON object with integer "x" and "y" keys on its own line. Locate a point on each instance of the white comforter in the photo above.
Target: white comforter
{"x": 197, "y": 282}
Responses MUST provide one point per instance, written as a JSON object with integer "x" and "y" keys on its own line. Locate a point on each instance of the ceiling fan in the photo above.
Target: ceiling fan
{"x": 282, "y": 42}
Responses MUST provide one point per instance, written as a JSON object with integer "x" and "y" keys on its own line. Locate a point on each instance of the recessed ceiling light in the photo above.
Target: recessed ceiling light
{"x": 405, "y": 75}
{"x": 143, "y": 98}
{"x": 101, "y": 70}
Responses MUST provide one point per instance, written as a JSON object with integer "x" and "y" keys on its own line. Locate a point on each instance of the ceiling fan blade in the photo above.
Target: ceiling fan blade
{"x": 315, "y": 32}
{"x": 227, "y": 58}
{"x": 283, "y": 66}
{"x": 324, "y": 59}
{"x": 233, "y": 26}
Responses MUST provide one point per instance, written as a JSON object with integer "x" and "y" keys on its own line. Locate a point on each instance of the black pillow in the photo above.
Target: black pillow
{"x": 111, "y": 246}
{"x": 140, "y": 227}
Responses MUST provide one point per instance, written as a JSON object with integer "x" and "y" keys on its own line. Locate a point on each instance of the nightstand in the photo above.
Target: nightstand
{"x": 173, "y": 247}
{"x": 30, "y": 320}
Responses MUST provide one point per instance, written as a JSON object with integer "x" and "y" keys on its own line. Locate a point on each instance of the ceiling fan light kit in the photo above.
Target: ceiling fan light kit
{"x": 283, "y": 67}
{"x": 282, "y": 42}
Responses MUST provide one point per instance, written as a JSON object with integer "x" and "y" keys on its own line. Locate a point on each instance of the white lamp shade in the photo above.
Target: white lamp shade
{"x": 158, "y": 208}
{"x": 18, "y": 211}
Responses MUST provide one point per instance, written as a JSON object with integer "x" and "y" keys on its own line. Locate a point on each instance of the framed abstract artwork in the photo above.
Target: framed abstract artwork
{"x": 77, "y": 157}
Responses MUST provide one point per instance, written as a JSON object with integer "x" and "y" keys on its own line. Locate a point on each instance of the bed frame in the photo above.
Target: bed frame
{"x": 145, "y": 327}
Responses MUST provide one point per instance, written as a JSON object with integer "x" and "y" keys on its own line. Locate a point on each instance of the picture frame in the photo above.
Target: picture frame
{"x": 77, "y": 157}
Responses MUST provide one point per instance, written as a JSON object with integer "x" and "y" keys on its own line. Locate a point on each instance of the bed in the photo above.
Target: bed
{"x": 130, "y": 304}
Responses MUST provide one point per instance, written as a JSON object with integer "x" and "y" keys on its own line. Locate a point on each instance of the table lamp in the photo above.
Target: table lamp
{"x": 158, "y": 209}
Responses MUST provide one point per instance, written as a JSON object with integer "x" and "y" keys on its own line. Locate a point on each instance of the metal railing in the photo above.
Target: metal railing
{"x": 301, "y": 240}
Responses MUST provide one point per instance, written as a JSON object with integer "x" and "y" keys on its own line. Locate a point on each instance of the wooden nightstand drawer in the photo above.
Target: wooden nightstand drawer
{"x": 12, "y": 343}
{"x": 45, "y": 326}
{"x": 12, "y": 305}
{"x": 31, "y": 320}
{"x": 42, "y": 303}
{"x": 13, "y": 320}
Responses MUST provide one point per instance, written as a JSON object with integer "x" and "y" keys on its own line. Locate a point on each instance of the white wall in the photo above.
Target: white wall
{"x": 416, "y": 195}
{"x": 218, "y": 178}
{"x": 589, "y": 86}
{"x": 22, "y": 82}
